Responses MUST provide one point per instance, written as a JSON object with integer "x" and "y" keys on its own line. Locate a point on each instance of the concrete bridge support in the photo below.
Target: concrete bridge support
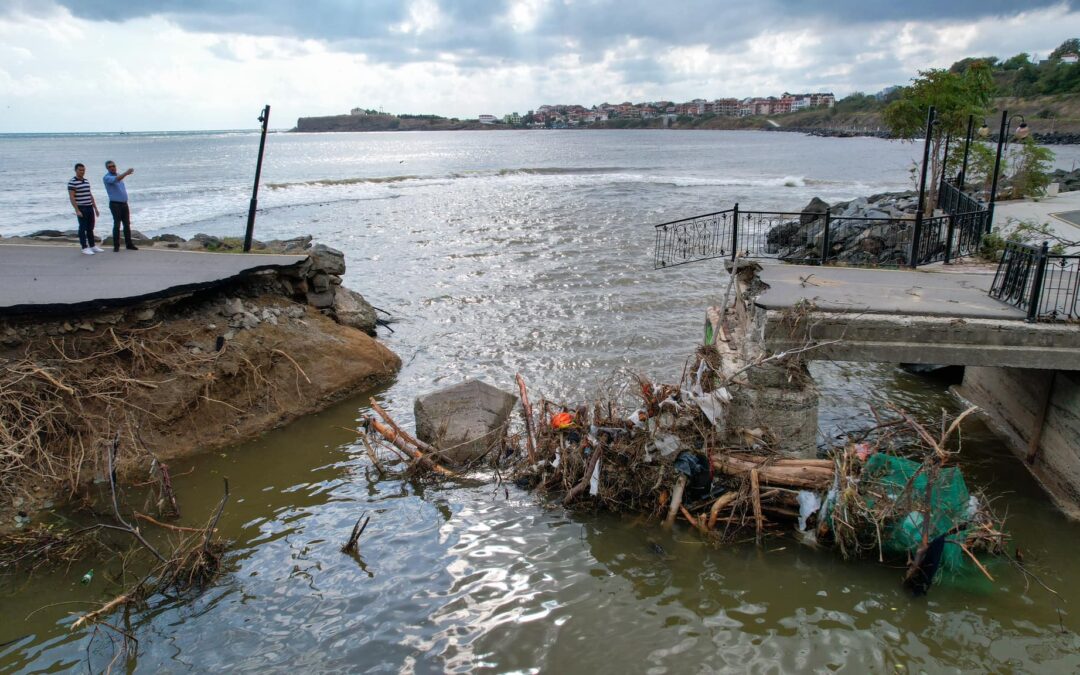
{"x": 1037, "y": 413}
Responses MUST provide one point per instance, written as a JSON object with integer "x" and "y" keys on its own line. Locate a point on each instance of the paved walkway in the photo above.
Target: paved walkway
{"x": 877, "y": 291}
{"x": 52, "y": 278}
{"x": 1058, "y": 211}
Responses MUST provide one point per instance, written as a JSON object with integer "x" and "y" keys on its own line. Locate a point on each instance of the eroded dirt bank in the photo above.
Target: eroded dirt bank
{"x": 170, "y": 379}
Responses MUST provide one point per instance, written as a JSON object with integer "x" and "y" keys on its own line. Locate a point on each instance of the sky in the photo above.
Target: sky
{"x": 141, "y": 65}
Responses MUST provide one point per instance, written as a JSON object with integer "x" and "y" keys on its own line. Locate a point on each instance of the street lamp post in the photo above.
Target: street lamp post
{"x": 917, "y": 234}
{"x": 962, "y": 179}
{"x": 1021, "y": 133}
{"x": 264, "y": 117}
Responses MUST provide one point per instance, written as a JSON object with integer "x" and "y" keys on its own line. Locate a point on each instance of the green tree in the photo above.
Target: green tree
{"x": 955, "y": 95}
{"x": 963, "y": 65}
{"x": 1031, "y": 174}
{"x": 1070, "y": 46}
{"x": 1016, "y": 62}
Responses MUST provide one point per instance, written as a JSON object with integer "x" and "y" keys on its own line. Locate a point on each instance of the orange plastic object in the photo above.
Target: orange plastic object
{"x": 561, "y": 420}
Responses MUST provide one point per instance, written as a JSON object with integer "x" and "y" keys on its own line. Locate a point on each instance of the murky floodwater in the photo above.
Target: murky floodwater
{"x": 531, "y": 252}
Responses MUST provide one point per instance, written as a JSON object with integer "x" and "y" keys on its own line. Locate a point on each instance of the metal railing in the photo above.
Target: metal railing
{"x": 692, "y": 239}
{"x": 821, "y": 238}
{"x": 808, "y": 238}
{"x": 1045, "y": 285}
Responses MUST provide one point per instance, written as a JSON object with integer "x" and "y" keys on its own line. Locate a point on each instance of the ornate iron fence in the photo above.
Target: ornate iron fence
{"x": 692, "y": 239}
{"x": 1043, "y": 284}
{"x": 820, "y": 238}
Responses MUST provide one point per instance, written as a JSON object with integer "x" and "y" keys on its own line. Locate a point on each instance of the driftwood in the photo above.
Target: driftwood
{"x": 526, "y": 412}
{"x": 399, "y": 441}
{"x": 676, "y": 501}
{"x": 805, "y": 474}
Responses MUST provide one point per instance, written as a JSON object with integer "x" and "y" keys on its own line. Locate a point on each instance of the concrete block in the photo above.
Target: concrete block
{"x": 464, "y": 420}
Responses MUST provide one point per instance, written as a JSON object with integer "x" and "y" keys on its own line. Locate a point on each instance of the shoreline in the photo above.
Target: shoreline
{"x": 176, "y": 376}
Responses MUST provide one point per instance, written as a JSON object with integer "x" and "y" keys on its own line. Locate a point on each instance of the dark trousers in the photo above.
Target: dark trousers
{"x": 86, "y": 227}
{"x": 120, "y": 214}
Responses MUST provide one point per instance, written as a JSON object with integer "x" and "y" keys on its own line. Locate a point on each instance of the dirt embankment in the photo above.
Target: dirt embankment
{"x": 167, "y": 380}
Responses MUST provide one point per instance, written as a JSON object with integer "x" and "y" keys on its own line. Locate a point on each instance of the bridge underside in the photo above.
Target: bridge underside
{"x": 938, "y": 340}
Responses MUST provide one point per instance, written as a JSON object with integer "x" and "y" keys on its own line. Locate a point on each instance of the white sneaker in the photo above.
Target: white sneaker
{"x": 88, "y": 251}
{"x": 97, "y": 249}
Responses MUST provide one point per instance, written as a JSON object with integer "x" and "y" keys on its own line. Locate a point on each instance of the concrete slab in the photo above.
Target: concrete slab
{"x": 878, "y": 291}
{"x": 48, "y": 279}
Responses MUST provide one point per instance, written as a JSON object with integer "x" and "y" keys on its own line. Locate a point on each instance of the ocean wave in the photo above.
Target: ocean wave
{"x": 477, "y": 173}
{"x": 342, "y": 181}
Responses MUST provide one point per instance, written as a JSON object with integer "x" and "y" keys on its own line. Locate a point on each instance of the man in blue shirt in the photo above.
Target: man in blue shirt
{"x": 118, "y": 205}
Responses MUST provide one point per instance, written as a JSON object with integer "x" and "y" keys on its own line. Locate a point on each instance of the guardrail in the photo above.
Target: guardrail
{"x": 821, "y": 238}
{"x": 1043, "y": 284}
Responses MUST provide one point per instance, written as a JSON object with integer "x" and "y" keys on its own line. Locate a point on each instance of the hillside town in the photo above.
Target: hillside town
{"x": 575, "y": 115}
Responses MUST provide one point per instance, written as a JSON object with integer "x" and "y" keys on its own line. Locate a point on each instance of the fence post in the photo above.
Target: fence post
{"x": 1036, "y": 284}
{"x": 916, "y": 235}
{"x": 949, "y": 238}
{"x": 735, "y": 232}
{"x": 825, "y": 239}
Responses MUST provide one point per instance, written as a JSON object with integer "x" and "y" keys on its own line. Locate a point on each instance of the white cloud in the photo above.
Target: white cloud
{"x": 59, "y": 72}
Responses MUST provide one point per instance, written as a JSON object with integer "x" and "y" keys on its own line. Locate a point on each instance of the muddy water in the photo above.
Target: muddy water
{"x": 529, "y": 253}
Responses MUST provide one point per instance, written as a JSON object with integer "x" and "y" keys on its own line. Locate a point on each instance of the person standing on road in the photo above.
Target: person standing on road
{"x": 86, "y": 210}
{"x": 118, "y": 205}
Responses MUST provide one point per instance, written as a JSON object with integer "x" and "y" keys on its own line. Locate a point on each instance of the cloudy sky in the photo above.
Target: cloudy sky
{"x": 86, "y": 65}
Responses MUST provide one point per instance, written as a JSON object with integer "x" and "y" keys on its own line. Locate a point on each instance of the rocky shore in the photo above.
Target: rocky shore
{"x": 200, "y": 242}
{"x": 861, "y": 231}
{"x": 1068, "y": 181}
{"x": 177, "y": 376}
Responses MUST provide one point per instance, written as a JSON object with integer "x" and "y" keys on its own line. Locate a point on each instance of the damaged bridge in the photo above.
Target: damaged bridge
{"x": 1024, "y": 375}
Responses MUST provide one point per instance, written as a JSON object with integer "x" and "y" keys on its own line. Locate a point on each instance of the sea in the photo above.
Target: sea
{"x": 499, "y": 253}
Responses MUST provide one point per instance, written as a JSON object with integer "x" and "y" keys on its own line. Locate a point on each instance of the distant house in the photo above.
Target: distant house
{"x": 487, "y": 119}
{"x": 1069, "y": 58}
{"x": 360, "y": 112}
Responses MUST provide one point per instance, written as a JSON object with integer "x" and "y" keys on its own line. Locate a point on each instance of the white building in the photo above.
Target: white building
{"x": 487, "y": 119}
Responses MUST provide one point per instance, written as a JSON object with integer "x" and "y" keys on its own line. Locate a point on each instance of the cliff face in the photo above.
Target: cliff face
{"x": 383, "y": 123}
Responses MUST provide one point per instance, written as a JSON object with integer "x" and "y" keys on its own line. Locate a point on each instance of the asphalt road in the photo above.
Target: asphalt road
{"x": 51, "y": 278}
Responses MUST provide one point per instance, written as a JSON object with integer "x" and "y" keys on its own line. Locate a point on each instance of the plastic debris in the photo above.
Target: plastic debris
{"x": 809, "y": 503}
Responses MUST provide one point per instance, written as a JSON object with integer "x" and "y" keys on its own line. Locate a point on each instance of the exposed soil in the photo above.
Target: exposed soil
{"x": 165, "y": 382}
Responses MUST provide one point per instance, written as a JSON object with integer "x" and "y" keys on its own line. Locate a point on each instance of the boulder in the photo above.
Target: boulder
{"x": 47, "y": 233}
{"x": 464, "y": 420}
{"x": 812, "y": 211}
{"x": 327, "y": 260}
{"x": 172, "y": 238}
{"x": 322, "y": 300}
{"x": 232, "y": 306}
{"x": 208, "y": 241}
{"x": 351, "y": 309}
{"x": 320, "y": 283}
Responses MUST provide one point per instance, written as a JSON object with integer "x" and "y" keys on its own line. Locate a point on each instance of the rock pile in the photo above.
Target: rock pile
{"x": 200, "y": 242}
{"x": 317, "y": 282}
{"x": 1068, "y": 180}
{"x": 871, "y": 230}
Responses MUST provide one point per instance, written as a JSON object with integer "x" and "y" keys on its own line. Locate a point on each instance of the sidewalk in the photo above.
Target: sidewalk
{"x": 1061, "y": 212}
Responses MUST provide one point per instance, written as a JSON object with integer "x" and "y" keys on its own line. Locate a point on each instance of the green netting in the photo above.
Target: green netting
{"x": 948, "y": 500}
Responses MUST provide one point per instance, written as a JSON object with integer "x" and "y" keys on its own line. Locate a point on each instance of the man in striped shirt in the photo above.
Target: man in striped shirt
{"x": 85, "y": 209}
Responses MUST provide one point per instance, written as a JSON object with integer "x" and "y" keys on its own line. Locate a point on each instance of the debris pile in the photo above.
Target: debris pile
{"x": 891, "y": 493}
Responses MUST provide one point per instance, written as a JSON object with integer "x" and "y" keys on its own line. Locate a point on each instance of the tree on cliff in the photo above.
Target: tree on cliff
{"x": 955, "y": 95}
{"x": 1070, "y": 46}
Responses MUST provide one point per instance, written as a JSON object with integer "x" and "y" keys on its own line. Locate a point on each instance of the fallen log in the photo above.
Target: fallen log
{"x": 778, "y": 472}
{"x": 399, "y": 442}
